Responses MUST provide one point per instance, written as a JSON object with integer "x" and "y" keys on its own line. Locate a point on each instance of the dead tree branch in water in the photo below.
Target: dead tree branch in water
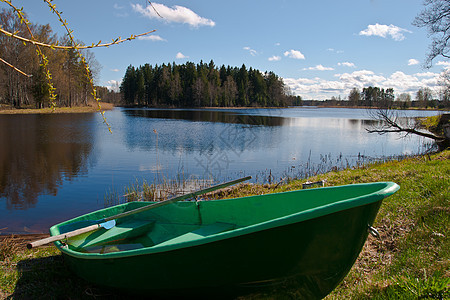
{"x": 390, "y": 122}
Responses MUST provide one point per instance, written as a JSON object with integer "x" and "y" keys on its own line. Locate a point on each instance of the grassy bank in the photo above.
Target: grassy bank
{"x": 411, "y": 261}
{"x": 4, "y": 109}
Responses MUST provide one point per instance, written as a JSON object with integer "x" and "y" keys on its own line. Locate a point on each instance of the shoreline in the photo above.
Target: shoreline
{"x": 23, "y": 239}
{"x": 91, "y": 108}
{"x": 279, "y": 107}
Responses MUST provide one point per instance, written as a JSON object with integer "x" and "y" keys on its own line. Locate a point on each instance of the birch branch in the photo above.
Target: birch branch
{"x": 14, "y": 68}
{"x": 76, "y": 46}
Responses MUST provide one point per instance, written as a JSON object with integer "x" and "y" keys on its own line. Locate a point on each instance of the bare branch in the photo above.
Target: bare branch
{"x": 155, "y": 10}
{"x": 83, "y": 61}
{"x": 44, "y": 60}
{"x": 407, "y": 131}
{"x": 14, "y": 68}
{"x": 391, "y": 123}
{"x": 75, "y": 46}
{"x": 436, "y": 18}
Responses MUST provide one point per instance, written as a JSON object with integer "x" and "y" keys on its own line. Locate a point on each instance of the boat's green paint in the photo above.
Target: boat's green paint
{"x": 307, "y": 238}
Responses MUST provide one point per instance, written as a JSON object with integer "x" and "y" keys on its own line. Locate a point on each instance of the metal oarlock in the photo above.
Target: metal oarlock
{"x": 374, "y": 232}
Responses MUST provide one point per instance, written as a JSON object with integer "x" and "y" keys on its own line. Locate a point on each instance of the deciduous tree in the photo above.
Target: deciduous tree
{"x": 354, "y": 97}
{"x": 436, "y": 18}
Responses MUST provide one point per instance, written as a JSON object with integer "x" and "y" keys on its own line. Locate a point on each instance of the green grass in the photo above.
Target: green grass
{"x": 41, "y": 274}
{"x": 411, "y": 261}
{"x": 433, "y": 124}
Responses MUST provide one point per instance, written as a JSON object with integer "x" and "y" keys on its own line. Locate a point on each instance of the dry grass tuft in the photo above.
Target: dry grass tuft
{"x": 8, "y": 247}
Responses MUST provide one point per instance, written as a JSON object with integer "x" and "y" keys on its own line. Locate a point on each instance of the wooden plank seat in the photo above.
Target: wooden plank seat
{"x": 126, "y": 230}
{"x": 199, "y": 233}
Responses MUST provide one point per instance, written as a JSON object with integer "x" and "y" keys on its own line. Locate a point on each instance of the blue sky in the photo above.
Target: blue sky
{"x": 320, "y": 48}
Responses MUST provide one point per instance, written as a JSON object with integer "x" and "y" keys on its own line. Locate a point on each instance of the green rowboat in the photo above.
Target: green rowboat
{"x": 308, "y": 239}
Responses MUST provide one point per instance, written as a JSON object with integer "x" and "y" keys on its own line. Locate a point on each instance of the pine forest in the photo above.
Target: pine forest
{"x": 203, "y": 85}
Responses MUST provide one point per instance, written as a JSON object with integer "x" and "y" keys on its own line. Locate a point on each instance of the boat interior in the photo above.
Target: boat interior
{"x": 187, "y": 221}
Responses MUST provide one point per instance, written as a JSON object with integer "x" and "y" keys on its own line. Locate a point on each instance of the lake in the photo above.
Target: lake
{"x": 55, "y": 167}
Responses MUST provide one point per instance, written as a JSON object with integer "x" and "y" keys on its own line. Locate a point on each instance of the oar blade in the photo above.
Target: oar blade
{"x": 109, "y": 224}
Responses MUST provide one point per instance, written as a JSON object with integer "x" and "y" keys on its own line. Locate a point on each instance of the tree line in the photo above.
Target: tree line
{"x": 203, "y": 85}
{"x": 32, "y": 89}
{"x": 379, "y": 97}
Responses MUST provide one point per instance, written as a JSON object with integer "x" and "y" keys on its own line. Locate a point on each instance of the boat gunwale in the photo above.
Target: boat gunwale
{"x": 304, "y": 215}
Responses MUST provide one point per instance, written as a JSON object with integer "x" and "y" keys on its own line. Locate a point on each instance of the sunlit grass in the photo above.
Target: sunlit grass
{"x": 413, "y": 259}
{"x": 160, "y": 190}
{"x": 5, "y": 109}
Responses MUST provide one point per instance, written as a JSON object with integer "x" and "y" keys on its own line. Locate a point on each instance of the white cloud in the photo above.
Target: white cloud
{"x": 347, "y": 64}
{"x": 335, "y": 51}
{"x": 446, "y": 64}
{"x": 176, "y": 13}
{"x": 113, "y": 85}
{"x": 317, "y": 88}
{"x": 426, "y": 74}
{"x": 114, "y": 70}
{"x": 274, "y": 58}
{"x": 399, "y": 80}
{"x": 413, "y": 62}
{"x": 251, "y": 51}
{"x": 119, "y": 11}
{"x": 300, "y": 81}
{"x": 294, "y": 54}
{"x": 181, "y": 55}
{"x": 361, "y": 78}
{"x": 443, "y": 63}
{"x": 383, "y": 31}
{"x": 318, "y": 68}
{"x": 153, "y": 37}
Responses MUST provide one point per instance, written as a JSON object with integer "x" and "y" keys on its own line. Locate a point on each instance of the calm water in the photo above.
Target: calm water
{"x": 55, "y": 167}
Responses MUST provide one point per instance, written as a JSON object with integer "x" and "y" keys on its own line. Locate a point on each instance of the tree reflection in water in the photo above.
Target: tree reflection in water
{"x": 37, "y": 154}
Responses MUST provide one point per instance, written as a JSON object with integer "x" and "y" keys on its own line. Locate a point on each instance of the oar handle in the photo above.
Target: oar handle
{"x": 176, "y": 199}
{"x": 62, "y": 236}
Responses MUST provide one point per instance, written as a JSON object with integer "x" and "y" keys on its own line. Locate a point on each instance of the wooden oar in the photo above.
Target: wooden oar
{"x": 110, "y": 222}
{"x": 106, "y": 225}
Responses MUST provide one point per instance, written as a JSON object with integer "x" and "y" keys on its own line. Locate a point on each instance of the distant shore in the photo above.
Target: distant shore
{"x": 91, "y": 108}
{"x": 278, "y": 107}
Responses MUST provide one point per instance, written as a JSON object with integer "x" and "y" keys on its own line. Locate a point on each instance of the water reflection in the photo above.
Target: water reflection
{"x": 222, "y": 116}
{"x": 217, "y": 141}
{"x": 202, "y": 131}
{"x": 212, "y": 132}
{"x": 39, "y": 152}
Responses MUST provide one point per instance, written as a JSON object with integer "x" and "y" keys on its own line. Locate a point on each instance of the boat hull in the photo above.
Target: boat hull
{"x": 309, "y": 258}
